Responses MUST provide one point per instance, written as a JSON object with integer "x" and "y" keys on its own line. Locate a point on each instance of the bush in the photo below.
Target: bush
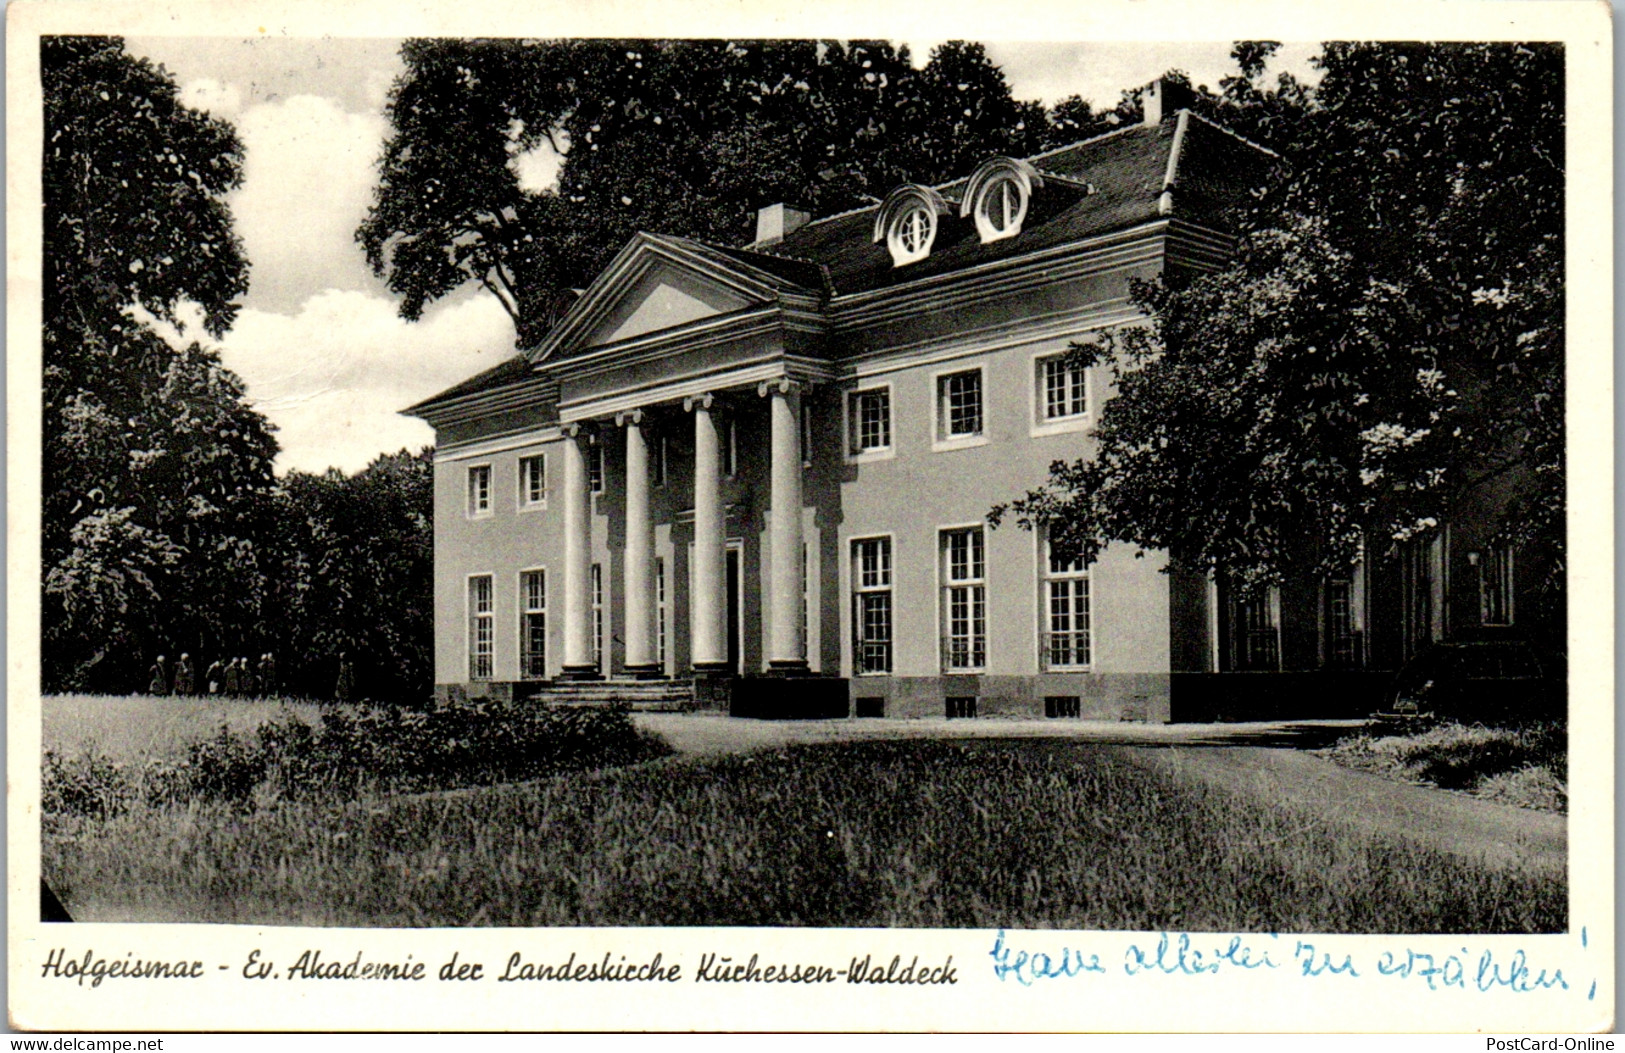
{"x": 477, "y": 742}
{"x": 1521, "y": 765}
{"x": 89, "y": 786}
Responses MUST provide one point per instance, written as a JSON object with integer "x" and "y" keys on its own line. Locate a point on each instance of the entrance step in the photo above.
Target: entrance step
{"x": 657, "y": 696}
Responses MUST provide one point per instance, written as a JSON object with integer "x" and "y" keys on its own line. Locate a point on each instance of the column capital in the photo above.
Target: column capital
{"x": 703, "y": 401}
{"x": 625, "y": 417}
{"x": 782, "y": 386}
{"x": 577, "y": 428}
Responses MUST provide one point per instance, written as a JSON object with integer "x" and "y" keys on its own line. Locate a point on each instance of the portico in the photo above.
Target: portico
{"x": 708, "y": 417}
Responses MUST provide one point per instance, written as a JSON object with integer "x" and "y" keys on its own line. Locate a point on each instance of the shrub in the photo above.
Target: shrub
{"x": 453, "y": 744}
{"x": 1482, "y": 760}
{"x": 87, "y": 786}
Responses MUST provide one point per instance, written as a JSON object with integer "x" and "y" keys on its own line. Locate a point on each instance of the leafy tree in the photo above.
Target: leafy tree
{"x": 687, "y": 137}
{"x": 355, "y": 575}
{"x": 152, "y": 460}
{"x": 1386, "y": 349}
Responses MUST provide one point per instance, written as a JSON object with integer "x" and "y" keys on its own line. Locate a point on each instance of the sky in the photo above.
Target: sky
{"x": 319, "y": 344}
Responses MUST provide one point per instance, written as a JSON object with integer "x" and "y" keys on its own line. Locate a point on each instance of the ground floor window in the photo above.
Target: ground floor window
{"x": 1494, "y": 586}
{"x": 598, "y": 615}
{"x": 871, "y": 605}
{"x": 481, "y": 628}
{"x": 533, "y": 625}
{"x": 1342, "y": 621}
{"x": 1067, "y": 614}
{"x": 1255, "y": 630}
{"x": 1421, "y": 574}
{"x": 660, "y": 611}
{"x": 964, "y": 600}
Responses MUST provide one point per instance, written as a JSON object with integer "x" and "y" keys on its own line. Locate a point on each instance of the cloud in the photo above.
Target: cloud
{"x": 307, "y": 182}
{"x": 334, "y": 376}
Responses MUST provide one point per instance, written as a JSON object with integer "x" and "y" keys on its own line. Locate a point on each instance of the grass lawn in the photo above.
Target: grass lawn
{"x": 132, "y": 727}
{"x": 918, "y": 834}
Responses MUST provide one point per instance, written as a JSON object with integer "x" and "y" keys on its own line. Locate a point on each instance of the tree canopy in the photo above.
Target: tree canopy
{"x": 153, "y": 461}
{"x": 1386, "y": 348}
{"x": 684, "y": 137}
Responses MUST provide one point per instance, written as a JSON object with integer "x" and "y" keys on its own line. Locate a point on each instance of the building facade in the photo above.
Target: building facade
{"x": 770, "y": 467}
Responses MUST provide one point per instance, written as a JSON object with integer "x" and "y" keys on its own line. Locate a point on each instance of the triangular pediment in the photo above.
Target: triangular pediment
{"x": 666, "y": 296}
{"x": 658, "y": 283}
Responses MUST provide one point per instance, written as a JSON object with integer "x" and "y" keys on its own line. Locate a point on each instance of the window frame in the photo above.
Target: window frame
{"x": 595, "y": 577}
{"x": 851, "y": 424}
{"x": 525, "y": 613}
{"x": 946, "y": 583}
{"x": 526, "y": 503}
{"x": 472, "y": 507}
{"x": 900, "y": 228}
{"x": 1038, "y": 387}
{"x": 1500, "y": 559}
{"x": 472, "y": 621}
{"x": 857, "y": 589}
{"x": 986, "y": 229}
{"x": 1048, "y": 577}
{"x": 597, "y": 469}
{"x": 941, "y": 439}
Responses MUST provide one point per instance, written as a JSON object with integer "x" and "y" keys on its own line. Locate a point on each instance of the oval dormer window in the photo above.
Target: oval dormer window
{"x": 997, "y": 195}
{"x": 907, "y": 222}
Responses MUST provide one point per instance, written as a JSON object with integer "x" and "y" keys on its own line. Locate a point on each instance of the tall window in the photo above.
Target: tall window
{"x": 730, "y": 449}
{"x": 1255, "y": 631}
{"x": 1342, "y": 623}
{"x": 533, "y": 625}
{"x": 870, "y": 415}
{"x": 595, "y": 466}
{"x": 657, "y": 454}
{"x": 481, "y": 628}
{"x": 959, "y": 397}
{"x": 479, "y": 490}
{"x": 1421, "y": 574}
{"x": 660, "y": 611}
{"x": 871, "y": 606}
{"x": 598, "y": 615}
{"x": 1495, "y": 586}
{"x": 1067, "y": 614}
{"x": 532, "y": 481}
{"x": 964, "y": 600}
{"x": 1065, "y": 392}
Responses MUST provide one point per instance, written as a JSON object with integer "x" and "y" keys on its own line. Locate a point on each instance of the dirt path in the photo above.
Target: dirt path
{"x": 1266, "y": 760}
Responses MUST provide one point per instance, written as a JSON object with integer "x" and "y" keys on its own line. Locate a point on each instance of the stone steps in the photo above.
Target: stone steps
{"x": 644, "y": 695}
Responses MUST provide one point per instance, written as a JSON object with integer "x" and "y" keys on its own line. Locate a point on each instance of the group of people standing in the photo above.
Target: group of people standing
{"x": 234, "y": 677}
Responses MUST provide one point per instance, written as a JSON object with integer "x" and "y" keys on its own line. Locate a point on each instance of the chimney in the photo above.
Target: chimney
{"x": 775, "y": 221}
{"x": 1162, "y": 97}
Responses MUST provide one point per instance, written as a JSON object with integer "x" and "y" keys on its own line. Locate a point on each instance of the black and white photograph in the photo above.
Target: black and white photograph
{"x": 829, "y": 524}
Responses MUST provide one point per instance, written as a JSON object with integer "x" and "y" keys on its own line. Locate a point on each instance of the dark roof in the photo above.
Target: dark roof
{"x": 803, "y": 273}
{"x": 1123, "y": 172}
{"x": 499, "y": 375}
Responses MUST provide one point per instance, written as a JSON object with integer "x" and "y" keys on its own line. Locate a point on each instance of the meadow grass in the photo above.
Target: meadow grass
{"x": 129, "y": 728}
{"x": 915, "y": 834}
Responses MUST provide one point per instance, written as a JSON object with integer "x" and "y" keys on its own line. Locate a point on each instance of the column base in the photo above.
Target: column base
{"x": 787, "y": 667}
{"x": 580, "y": 672}
{"x": 644, "y": 672}
{"x": 804, "y": 697}
{"x": 711, "y": 669}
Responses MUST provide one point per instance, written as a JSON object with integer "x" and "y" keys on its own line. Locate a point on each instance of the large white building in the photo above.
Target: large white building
{"x": 761, "y": 474}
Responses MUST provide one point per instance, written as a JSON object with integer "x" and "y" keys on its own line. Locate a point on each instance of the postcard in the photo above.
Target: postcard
{"x": 789, "y": 517}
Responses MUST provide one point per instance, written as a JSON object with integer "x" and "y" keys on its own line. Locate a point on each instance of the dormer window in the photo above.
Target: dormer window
{"x": 907, "y": 222}
{"x": 996, "y": 197}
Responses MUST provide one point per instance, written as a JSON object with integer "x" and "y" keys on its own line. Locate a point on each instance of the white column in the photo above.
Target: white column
{"x": 640, "y": 654}
{"x": 785, "y": 647}
{"x": 708, "y": 602}
{"x": 577, "y": 557}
